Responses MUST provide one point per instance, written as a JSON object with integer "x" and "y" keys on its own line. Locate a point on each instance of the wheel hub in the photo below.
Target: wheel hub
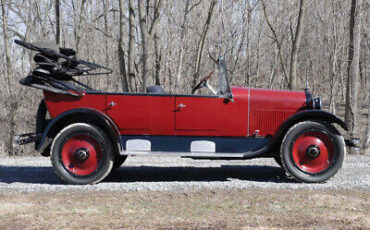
{"x": 82, "y": 154}
{"x": 313, "y": 151}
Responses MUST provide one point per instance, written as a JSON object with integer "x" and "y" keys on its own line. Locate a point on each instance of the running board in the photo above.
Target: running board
{"x": 183, "y": 154}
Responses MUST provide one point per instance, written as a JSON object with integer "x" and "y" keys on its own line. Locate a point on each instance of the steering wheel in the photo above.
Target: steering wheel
{"x": 202, "y": 82}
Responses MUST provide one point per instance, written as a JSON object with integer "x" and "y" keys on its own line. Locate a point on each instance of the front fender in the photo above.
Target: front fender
{"x": 314, "y": 115}
{"x": 85, "y": 115}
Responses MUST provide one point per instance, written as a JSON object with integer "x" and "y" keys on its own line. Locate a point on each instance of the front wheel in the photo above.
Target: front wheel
{"x": 312, "y": 152}
{"x": 82, "y": 154}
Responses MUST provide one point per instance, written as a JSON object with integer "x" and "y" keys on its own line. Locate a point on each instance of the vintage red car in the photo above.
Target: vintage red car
{"x": 92, "y": 132}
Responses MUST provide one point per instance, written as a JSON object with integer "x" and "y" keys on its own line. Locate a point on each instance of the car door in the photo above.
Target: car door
{"x": 197, "y": 115}
{"x": 131, "y": 113}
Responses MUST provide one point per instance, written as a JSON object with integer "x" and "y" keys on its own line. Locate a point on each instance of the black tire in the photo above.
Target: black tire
{"x": 82, "y": 154}
{"x": 278, "y": 160}
{"x": 118, "y": 161}
{"x": 312, "y": 152}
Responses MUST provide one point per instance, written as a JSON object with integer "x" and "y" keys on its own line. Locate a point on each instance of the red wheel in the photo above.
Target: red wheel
{"x": 82, "y": 154}
{"x": 312, "y": 152}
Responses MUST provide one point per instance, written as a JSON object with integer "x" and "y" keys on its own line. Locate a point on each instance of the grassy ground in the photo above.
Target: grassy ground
{"x": 243, "y": 209}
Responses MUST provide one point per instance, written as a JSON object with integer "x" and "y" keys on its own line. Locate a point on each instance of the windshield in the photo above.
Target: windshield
{"x": 224, "y": 83}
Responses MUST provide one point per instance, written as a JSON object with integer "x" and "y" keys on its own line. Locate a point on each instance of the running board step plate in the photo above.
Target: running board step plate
{"x": 183, "y": 154}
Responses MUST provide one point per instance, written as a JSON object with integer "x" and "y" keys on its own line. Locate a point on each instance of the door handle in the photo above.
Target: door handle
{"x": 112, "y": 104}
{"x": 181, "y": 106}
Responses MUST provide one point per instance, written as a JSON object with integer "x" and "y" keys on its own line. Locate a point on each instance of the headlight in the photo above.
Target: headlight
{"x": 317, "y": 103}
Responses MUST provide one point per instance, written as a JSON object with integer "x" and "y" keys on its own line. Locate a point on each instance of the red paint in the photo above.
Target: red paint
{"x": 234, "y": 114}
{"x": 303, "y": 161}
{"x": 130, "y": 113}
{"x": 270, "y": 108}
{"x": 198, "y": 113}
{"x": 58, "y": 103}
{"x": 199, "y": 116}
{"x": 69, "y": 158}
{"x": 162, "y": 120}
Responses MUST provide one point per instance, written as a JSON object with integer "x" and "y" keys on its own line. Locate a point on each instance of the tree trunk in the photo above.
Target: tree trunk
{"x": 106, "y": 45}
{"x": 278, "y": 43}
{"x": 202, "y": 40}
{"x": 131, "y": 48}
{"x": 6, "y": 46}
{"x": 353, "y": 67}
{"x": 158, "y": 57}
{"x": 367, "y": 139}
{"x": 296, "y": 43}
{"x": 147, "y": 32}
{"x": 121, "y": 48}
{"x": 106, "y": 30}
{"x": 79, "y": 23}
{"x": 144, "y": 50}
{"x": 57, "y": 21}
{"x": 12, "y": 100}
{"x": 181, "y": 52}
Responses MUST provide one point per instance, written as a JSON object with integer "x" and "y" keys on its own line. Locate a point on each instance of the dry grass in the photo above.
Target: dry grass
{"x": 243, "y": 209}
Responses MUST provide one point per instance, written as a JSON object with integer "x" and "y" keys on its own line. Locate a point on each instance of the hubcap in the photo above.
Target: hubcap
{"x": 81, "y": 155}
{"x": 313, "y": 152}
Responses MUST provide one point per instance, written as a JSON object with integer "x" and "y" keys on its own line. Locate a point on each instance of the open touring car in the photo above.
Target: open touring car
{"x": 92, "y": 132}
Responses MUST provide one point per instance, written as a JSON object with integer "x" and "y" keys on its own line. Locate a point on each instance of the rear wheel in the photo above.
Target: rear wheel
{"x": 82, "y": 154}
{"x": 312, "y": 152}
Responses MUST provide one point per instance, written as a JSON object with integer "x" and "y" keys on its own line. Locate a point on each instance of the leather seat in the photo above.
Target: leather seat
{"x": 156, "y": 89}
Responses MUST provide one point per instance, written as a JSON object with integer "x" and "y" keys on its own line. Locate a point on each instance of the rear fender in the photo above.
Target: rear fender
{"x": 84, "y": 115}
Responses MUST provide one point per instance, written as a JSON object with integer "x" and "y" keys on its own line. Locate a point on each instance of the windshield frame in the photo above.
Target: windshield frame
{"x": 224, "y": 91}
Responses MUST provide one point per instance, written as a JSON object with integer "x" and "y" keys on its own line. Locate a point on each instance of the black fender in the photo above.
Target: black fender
{"x": 85, "y": 115}
{"x": 305, "y": 115}
{"x": 313, "y": 115}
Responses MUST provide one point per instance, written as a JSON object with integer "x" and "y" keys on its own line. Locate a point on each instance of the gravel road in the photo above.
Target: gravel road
{"x": 35, "y": 174}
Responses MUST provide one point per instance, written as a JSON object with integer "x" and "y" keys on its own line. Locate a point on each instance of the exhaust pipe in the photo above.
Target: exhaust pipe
{"x": 24, "y": 139}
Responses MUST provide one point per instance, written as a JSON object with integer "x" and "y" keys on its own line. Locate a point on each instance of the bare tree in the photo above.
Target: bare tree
{"x": 295, "y": 47}
{"x": 353, "y": 66}
{"x": 163, "y": 44}
{"x": 6, "y": 45}
{"x": 296, "y": 41}
{"x": 187, "y": 10}
{"x": 57, "y": 21}
{"x": 131, "y": 47}
{"x": 367, "y": 139}
{"x": 121, "y": 48}
{"x": 202, "y": 40}
{"x": 278, "y": 42}
{"x": 79, "y": 25}
{"x": 12, "y": 96}
{"x": 147, "y": 31}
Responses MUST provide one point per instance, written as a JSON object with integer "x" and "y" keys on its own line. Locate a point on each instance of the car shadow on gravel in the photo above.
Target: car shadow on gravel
{"x": 127, "y": 174}
{"x": 28, "y": 174}
{"x": 199, "y": 174}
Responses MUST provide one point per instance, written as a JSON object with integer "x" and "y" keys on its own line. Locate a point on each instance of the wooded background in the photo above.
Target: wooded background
{"x": 281, "y": 44}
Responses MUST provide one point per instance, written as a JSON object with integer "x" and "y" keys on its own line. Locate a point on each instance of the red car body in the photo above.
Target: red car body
{"x": 253, "y": 111}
